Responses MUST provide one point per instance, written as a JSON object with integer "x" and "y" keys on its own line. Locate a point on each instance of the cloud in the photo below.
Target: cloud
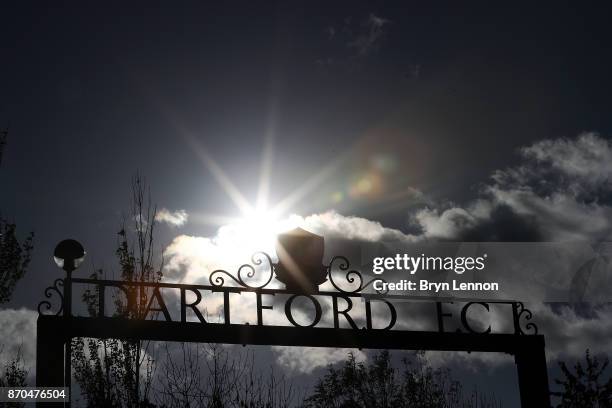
{"x": 18, "y": 334}
{"x": 568, "y": 330}
{"x": 350, "y": 41}
{"x": 193, "y": 258}
{"x": 584, "y": 162}
{"x": 370, "y": 36}
{"x": 174, "y": 218}
{"x": 307, "y": 359}
{"x": 334, "y": 225}
{"x": 560, "y": 191}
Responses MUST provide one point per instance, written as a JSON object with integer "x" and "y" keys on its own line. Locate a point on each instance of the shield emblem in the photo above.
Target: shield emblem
{"x": 300, "y": 261}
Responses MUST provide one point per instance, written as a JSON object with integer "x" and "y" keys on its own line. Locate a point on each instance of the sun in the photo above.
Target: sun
{"x": 265, "y": 223}
{"x": 257, "y": 221}
{"x": 261, "y": 220}
{"x": 255, "y": 230}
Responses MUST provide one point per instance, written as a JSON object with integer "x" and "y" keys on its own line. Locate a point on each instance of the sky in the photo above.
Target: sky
{"x": 368, "y": 121}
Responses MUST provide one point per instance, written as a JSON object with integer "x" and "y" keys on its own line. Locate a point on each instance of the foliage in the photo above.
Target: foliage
{"x": 14, "y": 258}
{"x": 112, "y": 372}
{"x": 3, "y": 137}
{"x": 213, "y": 376}
{"x": 14, "y": 255}
{"x": 586, "y": 386}
{"x": 381, "y": 385}
{"x": 14, "y": 375}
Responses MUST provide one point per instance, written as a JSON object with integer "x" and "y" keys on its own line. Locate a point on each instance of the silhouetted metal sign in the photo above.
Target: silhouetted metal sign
{"x": 349, "y": 314}
{"x": 300, "y": 261}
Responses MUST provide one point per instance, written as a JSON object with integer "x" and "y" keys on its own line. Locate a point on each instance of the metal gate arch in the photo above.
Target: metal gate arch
{"x": 55, "y": 330}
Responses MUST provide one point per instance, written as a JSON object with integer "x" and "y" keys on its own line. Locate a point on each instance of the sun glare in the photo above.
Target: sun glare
{"x": 266, "y": 223}
{"x": 259, "y": 222}
{"x": 256, "y": 230}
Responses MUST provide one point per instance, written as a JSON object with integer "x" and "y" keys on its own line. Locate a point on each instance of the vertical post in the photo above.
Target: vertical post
{"x": 532, "y": 372}
{"x": 68, "y": 255}
{"x": 50, "y": 354}
{"x": 68, "y": 336}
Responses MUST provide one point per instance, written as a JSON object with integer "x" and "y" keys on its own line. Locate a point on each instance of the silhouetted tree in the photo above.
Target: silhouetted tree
{"x": 118, "y": 373}
{"x": 14, "y": 375}
{"x": 210, "y": 376}
{"x": 381, "y": 385}
{"x": 3, "y": 137}
{"x": 587, "y": 386}
{"x": 14, "y": 254}
{"x": 15, "y": 257}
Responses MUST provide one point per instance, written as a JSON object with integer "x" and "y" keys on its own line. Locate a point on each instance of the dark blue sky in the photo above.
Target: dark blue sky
{"x": 91, "y": 93}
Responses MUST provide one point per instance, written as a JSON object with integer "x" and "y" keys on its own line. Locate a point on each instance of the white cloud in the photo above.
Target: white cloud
{"x": 369, "y": 39}
{"x": 193, "y": 258}
{"x": 174, "y": 218}
{"x": 568, "y": 334}
{"x": 445, "y": 224}
{"x": 334, "y": 225}
{"x": 586, "y": 159}
{"x": 560, "y": 191}
{"x": 307, "y": 359}
{"x": 18, "y": 334}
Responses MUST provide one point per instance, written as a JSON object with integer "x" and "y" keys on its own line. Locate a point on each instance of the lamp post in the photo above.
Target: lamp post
{"x": 68, "y": 255}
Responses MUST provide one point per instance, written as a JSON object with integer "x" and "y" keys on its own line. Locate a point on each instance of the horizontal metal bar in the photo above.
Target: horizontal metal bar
{"x": 288, "y": 336}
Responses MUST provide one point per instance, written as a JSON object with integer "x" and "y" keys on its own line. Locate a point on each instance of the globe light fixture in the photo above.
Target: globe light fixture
{"x": 69, "y": 254}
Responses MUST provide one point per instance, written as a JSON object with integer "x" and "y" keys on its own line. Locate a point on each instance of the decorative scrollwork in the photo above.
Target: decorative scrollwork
{"x": 45, "y": 305}
{"x": 351, "y": 276}
{"x": 249, "y": 271}
{"x": 521, "y": 312}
